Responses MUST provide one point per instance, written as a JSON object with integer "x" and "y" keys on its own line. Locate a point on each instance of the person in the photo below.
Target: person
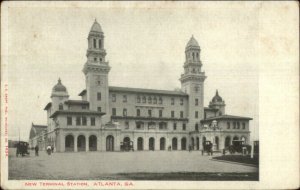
{"x": 36, "y": 148}
{"x": 52, "y": 148}
{"x": 49, "y": 149}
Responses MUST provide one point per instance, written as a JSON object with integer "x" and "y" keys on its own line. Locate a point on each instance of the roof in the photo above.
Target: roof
{"x": 96, "y": 27}
{"x": 221, "y": 117}
{"x": 36, "y": 130}
{"x": 83, "y": 112}
{"x": 217, "y": 98}
{"x": 76, "y": 102}
{"x": 144, "y": 90}
{"x": 48, "y": 106}
{"x": 192, "y": 42}
{"x": 213, "y": 109}
{"x": 59, "y": 87}
{"x": 83, "y": 92}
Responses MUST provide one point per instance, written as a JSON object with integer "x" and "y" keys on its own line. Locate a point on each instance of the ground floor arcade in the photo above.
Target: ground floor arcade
{"x": 110, "y": 140}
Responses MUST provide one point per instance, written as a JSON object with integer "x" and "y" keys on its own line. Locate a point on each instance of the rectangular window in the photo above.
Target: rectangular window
{"x": 174, "y": 126}
{"x": 83, "y": 107}
{"x": 99, "y": 109}
{"x": 84, "y": 121}
{"x": 154, "y": 100}
{"x": 172, "y": 114}
{"x": 160, "y": 100}
{"x": 114, "y": 98}
{"x": 138, "y": 99}
{"x": 181, "y": 114}
{"x": 149, "y": 100}
{"x": 238, "y": 125}
{"x": 172, "y": 101}
{"x": 228, "y": 125}
{"x": 244, "y": 126}
{"x": 196, "y": 102}
{"x": 160, "y": 113}
{"x": 78, "y": 121}
{"x": 124, "y": 98}
{"x": 124, "y": 112}
{"x": 93, "y": 121}
{"x": 114, "y": 111}
{"x": 138, "y": 112}
{"x": 144, "y": 99}
{"x": 69, "y": 120}
{"x": 181, "y": 101}
{"x": 150, "y": 113}
{"x": 184, "y": 127}
{"x": 126, "y": 125}
{"x": 196, "y": 114}
{"x": 99, "y": 96}
{"x": 234, "y": 125}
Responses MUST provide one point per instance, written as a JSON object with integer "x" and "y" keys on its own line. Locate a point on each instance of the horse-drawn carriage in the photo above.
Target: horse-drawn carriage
{"x": 126, "y": 146}
{"x": 22, "y": 148}
{"x": 239, "y": 146}
{"x": 207, "y": 147}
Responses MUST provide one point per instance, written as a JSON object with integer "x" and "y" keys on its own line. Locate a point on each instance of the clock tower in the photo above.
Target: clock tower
{"x": 192, "y": 83}
{"x": 96, "y": 71}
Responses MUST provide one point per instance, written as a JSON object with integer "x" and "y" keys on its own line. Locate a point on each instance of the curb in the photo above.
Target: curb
{"x": 231, "y": 162}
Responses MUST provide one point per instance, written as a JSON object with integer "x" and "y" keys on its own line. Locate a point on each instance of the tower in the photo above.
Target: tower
{"x": 96, "y": 71}
{"x": 58, "y": 96}
{"x": 192, "y": 83}
{"x": 217, "y": 103}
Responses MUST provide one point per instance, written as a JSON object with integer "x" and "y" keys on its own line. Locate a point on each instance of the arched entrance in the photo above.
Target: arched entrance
{"x": 174, "y": 143}
{"x": 193, "y": 143}
{"x": 217, "y": 142}
{"x": 81, "y": 143}
{"x": 162, "y": 143}
{"x": 140, "y": 143}
{"x": 183, "y": 143}
{"x": 126, "y": 143}
{"x": 197, "y": 143}
{"x": 92, "y": 143}
{"x": 151, "y": 143}
{"x": 110, "y": 143}
{"x": 69, "y": 143}
{"x": 236, "y": 138}
{"x": 227, "y": 142}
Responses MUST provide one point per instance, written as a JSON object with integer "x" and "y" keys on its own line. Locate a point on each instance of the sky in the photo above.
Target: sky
{"x": 145, "y": 46}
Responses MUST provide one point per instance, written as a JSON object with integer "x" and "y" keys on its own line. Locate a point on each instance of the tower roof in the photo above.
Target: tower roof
{"x": 59, "y": 90}
{"x": 192, "y": 42}
{"x": 217, "y": 98}
{"x": 96, "y": 27}
{"x": 59, "y": 87}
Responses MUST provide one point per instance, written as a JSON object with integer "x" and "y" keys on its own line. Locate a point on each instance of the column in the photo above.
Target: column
{"x": 179, "y": 143}
{"x": 75, "y": 143}
{"x": 87, "y": 144}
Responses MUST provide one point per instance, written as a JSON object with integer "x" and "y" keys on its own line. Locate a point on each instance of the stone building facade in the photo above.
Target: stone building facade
{"x": 151, "y": 119}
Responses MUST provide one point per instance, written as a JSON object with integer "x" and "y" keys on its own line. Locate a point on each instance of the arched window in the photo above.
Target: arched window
{"x": 94, "y": 43}
{"x": 60, "y": 107}
{"x": 197, "y": 55}
{"x": 193, "y": 56}
{"x": 100, "y": 43}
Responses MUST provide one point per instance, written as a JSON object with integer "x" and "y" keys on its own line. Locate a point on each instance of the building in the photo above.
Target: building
{"x": 37, "y": 136}
{"x": 150, "y": 119}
